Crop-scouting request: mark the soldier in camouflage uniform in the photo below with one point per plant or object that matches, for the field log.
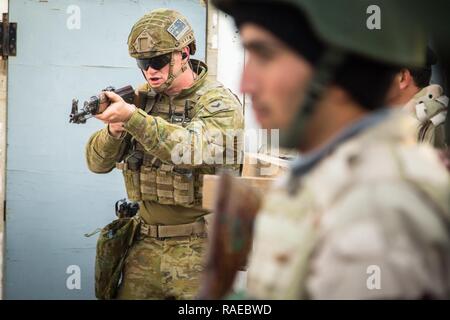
(163, 147)
(364, 213)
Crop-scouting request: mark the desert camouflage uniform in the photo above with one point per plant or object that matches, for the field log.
(367, 215)
(168, 194)
(371, 208)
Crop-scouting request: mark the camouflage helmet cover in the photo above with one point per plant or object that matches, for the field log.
(400, 41)
(159, 32)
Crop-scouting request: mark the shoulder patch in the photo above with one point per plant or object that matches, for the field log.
(216, 106)
(214, 98)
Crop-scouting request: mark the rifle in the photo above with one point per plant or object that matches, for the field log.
(91, 107)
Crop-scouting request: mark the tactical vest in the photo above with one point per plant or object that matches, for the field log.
(147, 178)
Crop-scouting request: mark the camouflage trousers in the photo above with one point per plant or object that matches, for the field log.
(167, 268)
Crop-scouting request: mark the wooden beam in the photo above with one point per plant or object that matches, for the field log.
(212, 17)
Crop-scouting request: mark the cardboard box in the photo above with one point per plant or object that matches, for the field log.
(210, 187)
(263, 165)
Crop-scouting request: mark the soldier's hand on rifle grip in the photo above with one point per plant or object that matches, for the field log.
(104, 102)
(117, 111)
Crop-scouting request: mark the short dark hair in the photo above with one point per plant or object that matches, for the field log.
(366, 80)
(422, 76)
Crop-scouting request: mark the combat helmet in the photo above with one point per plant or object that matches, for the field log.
(161, 32)
(342, 27)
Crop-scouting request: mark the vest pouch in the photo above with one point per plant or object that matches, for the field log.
(132, 184)
(148, 184)
(131, 175)
(112, 247)
(164, 184)
(183, 184)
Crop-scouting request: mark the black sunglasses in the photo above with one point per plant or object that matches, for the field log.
(157, 63)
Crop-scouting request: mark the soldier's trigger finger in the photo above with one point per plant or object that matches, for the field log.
(103, 102)
(110, 114)
(103, 106)
(107, 111)
(112, 96)
(104, 116)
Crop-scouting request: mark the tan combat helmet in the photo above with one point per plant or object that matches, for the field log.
(159, 32)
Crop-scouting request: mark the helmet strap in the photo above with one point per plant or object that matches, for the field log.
(172, 76)
(326, 69)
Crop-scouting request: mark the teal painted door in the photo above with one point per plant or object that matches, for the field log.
(65, 49)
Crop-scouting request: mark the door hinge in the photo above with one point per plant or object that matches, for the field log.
(8, 32)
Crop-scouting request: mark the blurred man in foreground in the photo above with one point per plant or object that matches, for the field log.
(364, 213)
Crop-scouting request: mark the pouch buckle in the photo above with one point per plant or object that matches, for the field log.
(177, 118)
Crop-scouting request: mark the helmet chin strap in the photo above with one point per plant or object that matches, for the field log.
(324, 74)
(172, 76)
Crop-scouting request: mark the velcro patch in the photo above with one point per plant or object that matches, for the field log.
(216, 106)
(144, 42)
(178, 28)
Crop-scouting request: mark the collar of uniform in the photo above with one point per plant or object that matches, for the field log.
(201, 69)
(307, 162)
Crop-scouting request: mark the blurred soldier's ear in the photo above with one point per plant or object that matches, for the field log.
(405, 79)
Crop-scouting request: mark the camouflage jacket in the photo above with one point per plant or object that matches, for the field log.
(212, 117)
(370, 220)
